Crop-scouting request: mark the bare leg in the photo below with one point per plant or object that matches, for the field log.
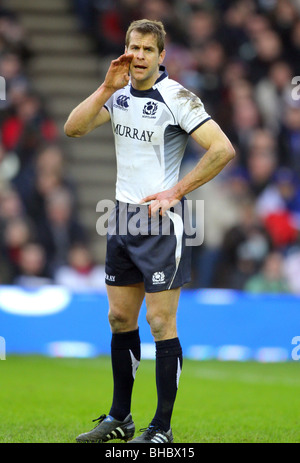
(161, 313)
(124, 306)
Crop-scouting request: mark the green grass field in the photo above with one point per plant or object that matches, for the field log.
(48, 400)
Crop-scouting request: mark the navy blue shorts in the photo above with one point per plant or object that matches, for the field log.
(146, 249)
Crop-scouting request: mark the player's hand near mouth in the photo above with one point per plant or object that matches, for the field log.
(117, 75)
(90, 113)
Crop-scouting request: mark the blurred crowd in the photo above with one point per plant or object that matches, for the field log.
(240, 57)
(41, 237)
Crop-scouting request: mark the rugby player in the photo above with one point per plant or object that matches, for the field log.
(152, 117)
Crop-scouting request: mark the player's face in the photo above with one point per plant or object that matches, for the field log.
(144, 68)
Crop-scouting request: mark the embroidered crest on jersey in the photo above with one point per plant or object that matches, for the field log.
(150, 109)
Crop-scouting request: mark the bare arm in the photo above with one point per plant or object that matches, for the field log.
(91, 113)
(219, 153)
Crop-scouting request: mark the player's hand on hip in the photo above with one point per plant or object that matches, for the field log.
(161, 201)
(117, 75)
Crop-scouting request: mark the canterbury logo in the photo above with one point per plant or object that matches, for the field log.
(122, 101)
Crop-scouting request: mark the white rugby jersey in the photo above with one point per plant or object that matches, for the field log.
(151, 129)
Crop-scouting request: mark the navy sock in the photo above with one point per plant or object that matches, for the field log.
(125, 358)
(168, 369)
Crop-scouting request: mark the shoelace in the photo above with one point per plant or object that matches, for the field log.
(152, 429)
(99, 419)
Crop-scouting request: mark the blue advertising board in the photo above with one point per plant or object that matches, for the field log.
(212, 324)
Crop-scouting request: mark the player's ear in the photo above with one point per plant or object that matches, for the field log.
(162, 57)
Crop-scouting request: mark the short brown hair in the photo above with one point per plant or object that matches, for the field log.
(145, 26)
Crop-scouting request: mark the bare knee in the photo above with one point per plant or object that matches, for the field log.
(121, 321)
(162, 327)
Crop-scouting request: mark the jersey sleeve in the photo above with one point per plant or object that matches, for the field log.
(190, 111)
(109, 106)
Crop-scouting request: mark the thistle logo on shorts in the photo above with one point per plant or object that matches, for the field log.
(158, 278)
(122, 101)
(150, 109)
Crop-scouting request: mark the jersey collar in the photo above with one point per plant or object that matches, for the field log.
(143, 93)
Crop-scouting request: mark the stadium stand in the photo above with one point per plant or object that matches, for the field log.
(240, 57)
(43, 51)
